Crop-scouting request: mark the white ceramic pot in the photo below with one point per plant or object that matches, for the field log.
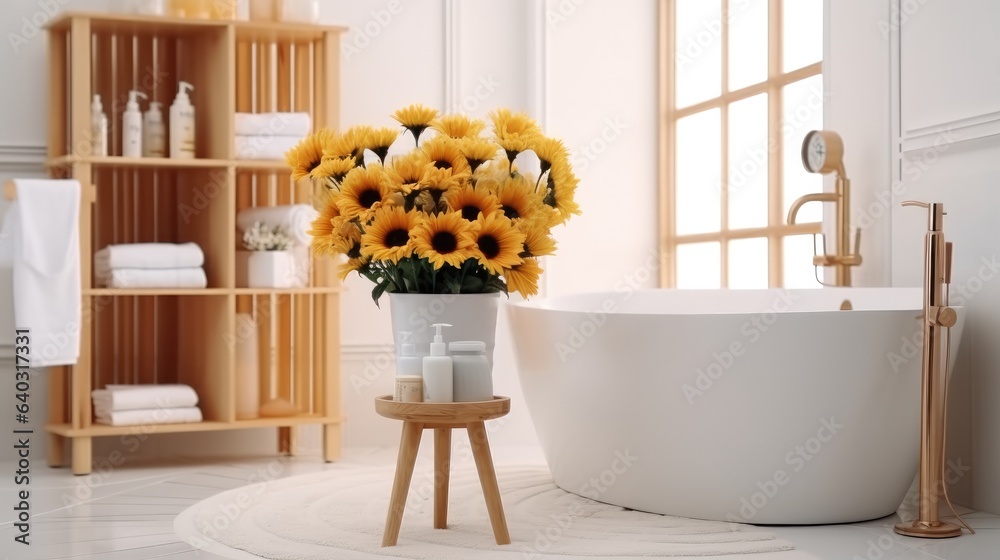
(271, 269)
(472, 316)
(300, 11)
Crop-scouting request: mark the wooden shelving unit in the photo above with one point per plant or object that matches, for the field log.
(175, 335)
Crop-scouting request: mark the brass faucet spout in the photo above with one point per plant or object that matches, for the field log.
(815, 197)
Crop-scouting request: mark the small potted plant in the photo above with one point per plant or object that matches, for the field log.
(271, 263)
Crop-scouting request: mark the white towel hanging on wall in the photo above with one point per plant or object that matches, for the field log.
(41, 241)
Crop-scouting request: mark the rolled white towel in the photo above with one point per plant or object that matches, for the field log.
(154, 278)
(114, 398)
(296, 219)
(151, 416)
(272, 124)
(264, 147)
(148, 255)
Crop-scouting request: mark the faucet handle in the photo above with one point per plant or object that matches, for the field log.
(915, 203)
(935, 213)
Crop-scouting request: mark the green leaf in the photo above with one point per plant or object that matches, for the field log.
(380, 289)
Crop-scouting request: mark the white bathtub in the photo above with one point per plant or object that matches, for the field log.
(763, 406)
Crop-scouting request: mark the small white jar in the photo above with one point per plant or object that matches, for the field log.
(473, 379)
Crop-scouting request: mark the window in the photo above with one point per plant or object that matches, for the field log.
(741, 84)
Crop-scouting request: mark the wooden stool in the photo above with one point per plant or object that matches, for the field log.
(442, 417)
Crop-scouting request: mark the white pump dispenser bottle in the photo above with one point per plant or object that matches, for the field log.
(182, 124)
(132, 126)
(98, 128)
(154, 133)
(438, 370)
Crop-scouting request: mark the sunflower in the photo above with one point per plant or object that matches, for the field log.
(472, 201)
(406, 172)
(415, 118)
(362, 192)
(549, 151)
(324, 238)
(440, 182)
(497, 243)
(515, 132)
(444, 153)
(517, 198)
(560, 189)
(537, 240)
(339, 146)
(355, 260)
(379, 140)
(334, 169)
(523, 278)
(458, 126)
(444, 238)
(390, 236)
(308, 153)
(477, 151)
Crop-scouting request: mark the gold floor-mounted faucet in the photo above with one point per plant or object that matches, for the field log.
(823, 152)
(936, 317)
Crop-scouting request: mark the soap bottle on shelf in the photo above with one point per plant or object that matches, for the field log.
(132, 126)
(438, 370)
(154, 134)
(98, 128)
(182, 124)
(473, 379)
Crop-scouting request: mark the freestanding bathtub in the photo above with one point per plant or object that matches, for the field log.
(759, 406)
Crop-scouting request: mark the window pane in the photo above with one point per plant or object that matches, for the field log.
(748, 263)
(748, 156)
(798, 269)
(698, 265)
(699, 172)
(747, 43)
(699, 50)
(802, 39)
(802, 111)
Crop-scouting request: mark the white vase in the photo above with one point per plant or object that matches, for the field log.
(472, 316)
(271, 269)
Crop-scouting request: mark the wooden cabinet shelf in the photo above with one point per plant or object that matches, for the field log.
(147, 336)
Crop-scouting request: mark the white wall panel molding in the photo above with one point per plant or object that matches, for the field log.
(960, 130)
(452, 55)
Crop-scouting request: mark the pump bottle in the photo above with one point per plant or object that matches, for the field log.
(182, 124)
(98, 128)
(154, 135)
(438, 370)
(132, 126)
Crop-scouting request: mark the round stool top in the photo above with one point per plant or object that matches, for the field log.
(442, 413)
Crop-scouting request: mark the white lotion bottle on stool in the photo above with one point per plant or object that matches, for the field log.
(438, 370)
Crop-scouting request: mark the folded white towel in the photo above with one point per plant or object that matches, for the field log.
(148, 255)
(264, 147)
(273, 124)
(41, 243)
(154, 278)
(115, 398)
(151, 416)
(296, 219)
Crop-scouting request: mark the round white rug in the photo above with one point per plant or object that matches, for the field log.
(340, 514)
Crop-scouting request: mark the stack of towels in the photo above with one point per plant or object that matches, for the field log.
(133, 405)
(150, 265)
(268, 136)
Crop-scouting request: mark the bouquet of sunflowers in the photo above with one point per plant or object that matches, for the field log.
(453, 215)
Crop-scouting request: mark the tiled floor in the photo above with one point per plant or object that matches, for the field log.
(128, 514)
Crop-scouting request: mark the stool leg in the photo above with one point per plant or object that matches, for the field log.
(408, 446)
(488, 480)
(442, 476)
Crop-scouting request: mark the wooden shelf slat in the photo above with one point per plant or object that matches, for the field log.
(168, 163)
(174, 26)
(126, 292)
(98, 430)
